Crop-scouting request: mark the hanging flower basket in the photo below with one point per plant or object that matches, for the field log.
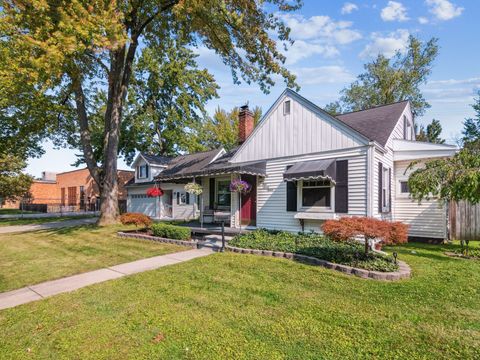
(154, 192)
(193, 188)
(240, 186)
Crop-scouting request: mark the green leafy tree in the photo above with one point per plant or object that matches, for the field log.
(455, 178)
(13, 182)
(471, 126)
(221, 130)
(164, 107)
(388, 80)
(69, 53)
(431, 133)
(333, 108)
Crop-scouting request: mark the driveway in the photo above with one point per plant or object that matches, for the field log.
(46, 226)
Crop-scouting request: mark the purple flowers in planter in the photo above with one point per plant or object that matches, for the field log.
(240, 186)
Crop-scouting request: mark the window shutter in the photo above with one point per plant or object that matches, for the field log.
(138, 172)
(390, 190)
(405, 136)
(178, 197)
(146, 171)
(187, 198)
(341, 187)
(380, 185)
(211, 193)
(291, 194)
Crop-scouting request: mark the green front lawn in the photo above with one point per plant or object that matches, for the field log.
(43, 220)
(33, 257)
(236, 306)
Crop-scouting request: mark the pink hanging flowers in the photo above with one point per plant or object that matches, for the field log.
(240, 186)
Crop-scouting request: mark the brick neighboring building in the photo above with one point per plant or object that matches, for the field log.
(77, 188)
(71, 191)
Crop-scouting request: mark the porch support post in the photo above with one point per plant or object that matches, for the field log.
(193, 195)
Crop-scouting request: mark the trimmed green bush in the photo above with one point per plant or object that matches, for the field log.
(171, 231)
(349, 253)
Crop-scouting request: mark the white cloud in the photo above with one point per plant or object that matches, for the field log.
(302, 49)
(320, 28)
(450, 90)
(473, 80)
(394, 11)
(444, 9)
(387, 45)
(423, 20)
(348, 8)
(317, 35)
(322, 75)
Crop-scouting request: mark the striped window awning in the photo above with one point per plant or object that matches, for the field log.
(312, 170)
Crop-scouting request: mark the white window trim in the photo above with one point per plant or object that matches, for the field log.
(326, 209)
(285, 107)
(140, 171)
(398, 188)
(217, 180)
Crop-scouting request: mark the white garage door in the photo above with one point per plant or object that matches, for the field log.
(143, 204)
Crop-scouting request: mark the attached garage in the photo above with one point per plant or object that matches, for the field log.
(141, 203)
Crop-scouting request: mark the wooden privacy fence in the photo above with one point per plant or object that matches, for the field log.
(464, 220)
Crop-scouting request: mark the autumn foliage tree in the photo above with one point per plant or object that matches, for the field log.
(57, 57)
(348, 228)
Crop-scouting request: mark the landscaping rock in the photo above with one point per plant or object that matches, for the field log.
(360, 272)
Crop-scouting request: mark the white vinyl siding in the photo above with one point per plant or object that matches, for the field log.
(426, 219)
(303, 131)
(271, 199)
(387, 160)
(179, 212)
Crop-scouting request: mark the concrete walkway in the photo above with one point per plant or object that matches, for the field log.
(46, 226)
(49, 288)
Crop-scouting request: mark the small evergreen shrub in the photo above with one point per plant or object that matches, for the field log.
(171, 231)
(136, 219)
(312, 244)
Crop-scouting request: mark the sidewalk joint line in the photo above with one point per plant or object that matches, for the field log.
(29, 288)
(109, 268)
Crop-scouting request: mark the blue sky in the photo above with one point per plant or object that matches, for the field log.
(333, 39)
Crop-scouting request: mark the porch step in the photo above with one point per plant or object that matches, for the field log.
(213, 241)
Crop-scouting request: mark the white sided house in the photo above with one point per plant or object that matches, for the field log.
(304, 166)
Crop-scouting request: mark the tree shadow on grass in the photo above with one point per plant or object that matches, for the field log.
(65, 230)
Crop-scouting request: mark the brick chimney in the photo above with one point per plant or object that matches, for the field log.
(245, 124)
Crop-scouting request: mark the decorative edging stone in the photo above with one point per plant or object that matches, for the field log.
(156, 238)
(403, 272)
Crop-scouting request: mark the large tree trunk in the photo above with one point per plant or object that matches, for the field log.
(109, 210)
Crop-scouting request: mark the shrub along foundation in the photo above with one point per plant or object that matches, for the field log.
(403, 272)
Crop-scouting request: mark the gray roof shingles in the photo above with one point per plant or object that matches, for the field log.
(187, 165)
(156, 160)
(376, 123)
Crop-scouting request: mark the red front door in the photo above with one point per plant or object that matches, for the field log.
(249, 202)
